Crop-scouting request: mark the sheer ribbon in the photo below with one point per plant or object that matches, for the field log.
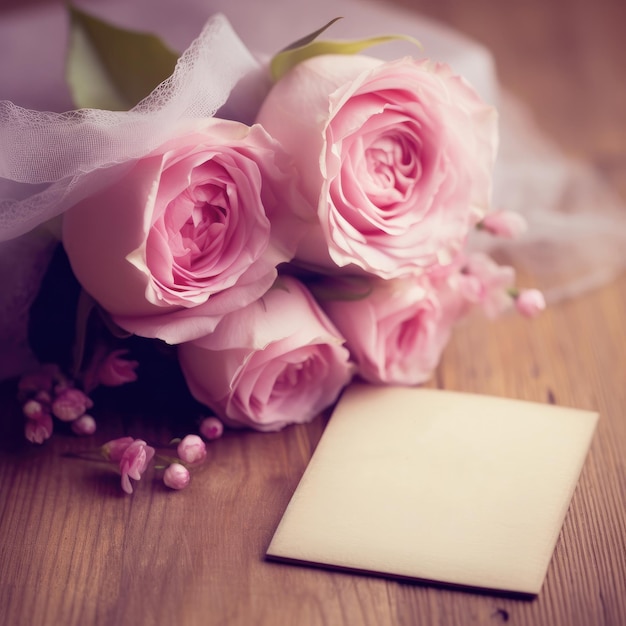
(576, 221)
(46, 158)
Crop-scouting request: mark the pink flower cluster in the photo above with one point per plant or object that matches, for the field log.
(48, 392)
(327, 240)
(133, 457)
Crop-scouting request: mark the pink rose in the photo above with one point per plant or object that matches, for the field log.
(276, 362)
(396, 159)
(396, 332)
(189, 233)
(114, 449)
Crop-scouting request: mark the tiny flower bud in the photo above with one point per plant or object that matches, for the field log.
(37, 431)
(530, 302)
(211, 428)
(192, 449)
(507, 224)
(70, 404)
(84, 425)
(176, 476)
(34, 410)
(115, 370)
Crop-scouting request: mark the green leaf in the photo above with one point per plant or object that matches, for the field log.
(113, 68)
(308, 47)
(307, 39)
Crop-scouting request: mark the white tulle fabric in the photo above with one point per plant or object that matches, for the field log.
(49, 161)
(46, 158)
(577, 222)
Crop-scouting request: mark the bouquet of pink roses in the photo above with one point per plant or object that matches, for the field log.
(324, 239)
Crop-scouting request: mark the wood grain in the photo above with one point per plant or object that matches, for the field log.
(75, 550)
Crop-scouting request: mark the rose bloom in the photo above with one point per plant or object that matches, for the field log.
(188, 233)
(70, 404)
(276, 362)
(397, 331)
(396, 158)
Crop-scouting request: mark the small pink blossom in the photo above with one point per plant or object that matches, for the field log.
(134, 462)
(34, 410)
(114, 449)
(530, 302)
(115, 370)
(508, 224)
(484, 282)
(192, 449)
(37, 431)
(211, 428)
(85, 425)
(70, 404)
(176, 476)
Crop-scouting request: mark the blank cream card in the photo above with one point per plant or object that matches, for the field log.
(440, 486)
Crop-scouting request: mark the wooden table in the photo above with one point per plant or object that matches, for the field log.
(75, 550)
